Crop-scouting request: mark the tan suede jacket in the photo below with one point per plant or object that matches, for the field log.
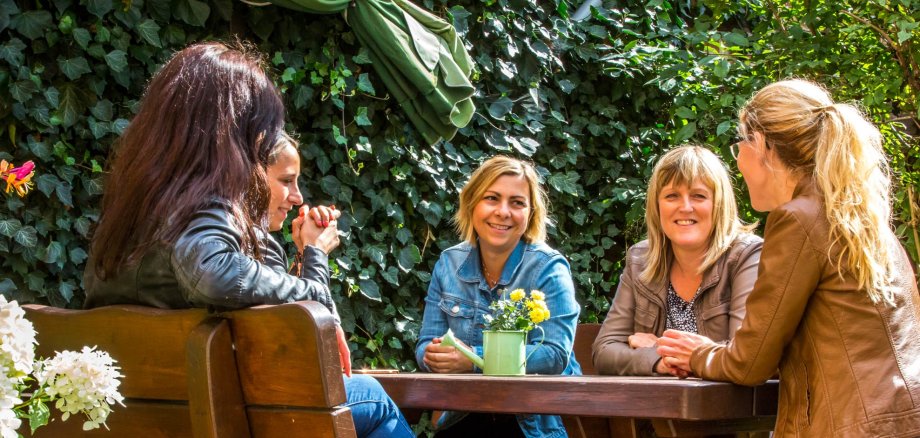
(848, 367)
(640, 307)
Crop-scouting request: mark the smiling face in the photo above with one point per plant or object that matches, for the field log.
(686, 215)
(501, 215)
(282, 178)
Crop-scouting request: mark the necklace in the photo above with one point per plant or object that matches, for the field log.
(488, 276)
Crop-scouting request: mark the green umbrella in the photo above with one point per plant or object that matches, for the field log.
(417, 55)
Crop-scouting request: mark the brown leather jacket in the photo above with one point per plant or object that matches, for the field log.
(848, 367)
(640, 307)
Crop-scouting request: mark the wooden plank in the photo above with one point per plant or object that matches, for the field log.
(287, 356)
(604, 396)
(215, 397)
(678, 428)
(149, 344)
(136, 419)
(585, 334)
(301, 423)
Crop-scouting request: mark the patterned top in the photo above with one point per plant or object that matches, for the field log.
(680, 312)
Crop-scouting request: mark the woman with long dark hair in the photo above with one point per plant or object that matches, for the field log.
(194, 189)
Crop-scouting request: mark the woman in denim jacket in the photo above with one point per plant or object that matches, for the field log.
(502, 219)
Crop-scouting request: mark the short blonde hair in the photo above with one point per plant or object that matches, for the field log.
(836, 145)
(483, 178)
(683, 166)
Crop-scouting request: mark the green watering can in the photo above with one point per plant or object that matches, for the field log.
(504, 351)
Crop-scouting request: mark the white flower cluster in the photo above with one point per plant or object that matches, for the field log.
(84, 382)
(17, 354)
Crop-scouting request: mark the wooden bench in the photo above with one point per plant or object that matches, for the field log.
(180, 378)
(267, 371)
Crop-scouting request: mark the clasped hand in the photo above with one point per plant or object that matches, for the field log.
(321, 232)
(444, 359)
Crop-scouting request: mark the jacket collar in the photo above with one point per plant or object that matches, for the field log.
(805, 186)
(658, 291)
(471, 272)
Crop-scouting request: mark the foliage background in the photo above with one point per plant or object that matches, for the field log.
(593, 102)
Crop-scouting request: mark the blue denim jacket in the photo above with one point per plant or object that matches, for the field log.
(458, 297)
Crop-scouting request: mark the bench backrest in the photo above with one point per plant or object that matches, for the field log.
(179, 376)
(585, 334)
(290, 372)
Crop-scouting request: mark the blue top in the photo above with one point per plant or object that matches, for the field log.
(459, 296)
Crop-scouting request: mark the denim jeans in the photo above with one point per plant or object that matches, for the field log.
(374, 413)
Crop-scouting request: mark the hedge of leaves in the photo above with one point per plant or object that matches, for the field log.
(593, 102)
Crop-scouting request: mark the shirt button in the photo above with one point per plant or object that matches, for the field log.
(455, 309)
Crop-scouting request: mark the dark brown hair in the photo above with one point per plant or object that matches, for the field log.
(204, 131)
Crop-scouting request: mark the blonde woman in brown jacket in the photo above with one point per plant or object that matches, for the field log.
(835, 307)
(694, 271)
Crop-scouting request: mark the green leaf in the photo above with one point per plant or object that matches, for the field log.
(369, 289)
(565, 183)
(149, 31)
(102, 110)
(82, 37)
(117, 60)
(7, 286)
(361, 117)
(23, 90)
(723, 127)
(66, 290)
(26, 237)
(32, 24)
(74, 68)
(78, 255)
(54, 252)
(409, 256)
(500, 108)
(685, 132)
(685, 113)
(566, 86)
(193, 12)
(98, 7)
(71, 106)
(11, 52)
(9, 227)
(39, 414)
(365, 85)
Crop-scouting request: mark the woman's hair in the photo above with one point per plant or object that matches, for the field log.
(683, 166)
(834, 143)
(282, 141)
(483, 178)
(199, 135)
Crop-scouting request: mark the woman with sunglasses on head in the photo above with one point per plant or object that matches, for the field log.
(835, 306)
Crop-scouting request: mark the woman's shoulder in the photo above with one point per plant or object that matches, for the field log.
(542, 248)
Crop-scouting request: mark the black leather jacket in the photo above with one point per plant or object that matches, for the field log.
(206, 268)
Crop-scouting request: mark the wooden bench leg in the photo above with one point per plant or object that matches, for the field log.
(215, 396)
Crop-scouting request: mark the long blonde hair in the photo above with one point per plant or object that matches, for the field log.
(482, 179)
(683, 166)
(835, 143)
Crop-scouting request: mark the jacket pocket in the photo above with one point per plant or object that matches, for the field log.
(807, 401)
(645, 320)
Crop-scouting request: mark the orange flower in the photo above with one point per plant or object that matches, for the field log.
(17, 178)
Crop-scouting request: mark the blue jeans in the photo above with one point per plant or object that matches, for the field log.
(374, 413)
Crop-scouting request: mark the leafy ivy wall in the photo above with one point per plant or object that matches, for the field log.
(592, 102)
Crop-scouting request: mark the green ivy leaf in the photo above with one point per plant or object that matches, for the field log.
(82, 37)
(71, 106)
(9, 227)
(369, 289)
(685, 132)
(32, 24)
(11, 52)
(361, 117)
(102, 110)
(78, 255)
(723, 127)
(74, 68)
(565, 183)
(500, 108)
(117, 60)
(7, 286)
(98, 7)
(193, 12)
(149, 31)
(54, 252)
(26, 237)
(409, 256)
(365, 85)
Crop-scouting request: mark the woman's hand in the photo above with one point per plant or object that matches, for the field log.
(642, 340)
(443, 359)
(344, 352)
(316, 226)
(675, 348)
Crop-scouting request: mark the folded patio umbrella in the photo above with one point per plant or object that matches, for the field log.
(416, 54)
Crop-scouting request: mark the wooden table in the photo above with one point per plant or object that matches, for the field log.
(690, 406)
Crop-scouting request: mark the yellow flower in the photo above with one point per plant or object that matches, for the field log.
(536, 315)
(517, 295)
(537, 295)
(539, 304)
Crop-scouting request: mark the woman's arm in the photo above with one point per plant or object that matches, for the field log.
(213, 270)
(611, 351)
(789, 273)
(552, 357)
